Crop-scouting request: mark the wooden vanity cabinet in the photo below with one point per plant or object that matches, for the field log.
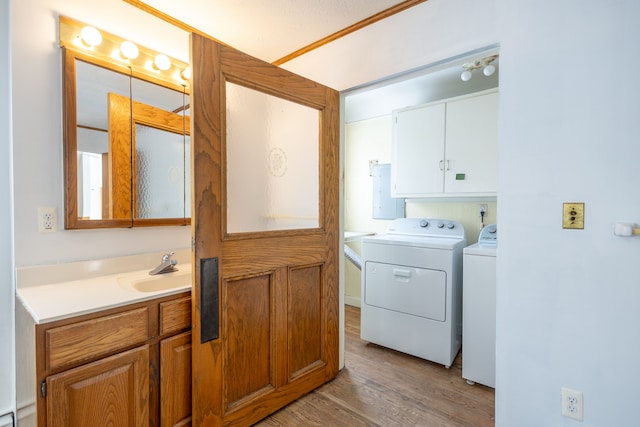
(175, 380)
(175, 363)
(114, 389)
(129, 365)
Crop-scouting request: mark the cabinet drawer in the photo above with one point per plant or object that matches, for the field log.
(175, 315)
(95, 337)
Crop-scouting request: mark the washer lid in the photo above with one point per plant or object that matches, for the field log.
(483, 249)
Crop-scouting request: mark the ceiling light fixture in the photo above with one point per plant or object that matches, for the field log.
(485, 63)
(90, 36)
(489, 70)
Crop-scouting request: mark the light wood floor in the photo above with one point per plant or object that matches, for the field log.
(382, 387)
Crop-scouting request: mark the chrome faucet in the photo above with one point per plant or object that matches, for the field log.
(166, 266)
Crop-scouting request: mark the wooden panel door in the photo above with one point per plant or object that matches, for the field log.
(265, 296)
(112, 391)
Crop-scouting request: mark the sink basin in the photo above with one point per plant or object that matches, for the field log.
(143, 282)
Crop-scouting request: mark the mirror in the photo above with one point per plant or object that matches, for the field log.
(126, 145)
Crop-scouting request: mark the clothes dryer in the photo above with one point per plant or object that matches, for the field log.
(411, 288)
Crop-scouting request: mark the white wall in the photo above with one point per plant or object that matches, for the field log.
(7, 277)
(568, 301)
(37, 128)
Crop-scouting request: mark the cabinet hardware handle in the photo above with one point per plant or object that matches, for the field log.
(441, 164)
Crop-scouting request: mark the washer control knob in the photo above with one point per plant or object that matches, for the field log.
(441, 225)
(450, 225)
(424, 223)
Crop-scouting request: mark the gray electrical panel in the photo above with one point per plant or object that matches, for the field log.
(385, 206)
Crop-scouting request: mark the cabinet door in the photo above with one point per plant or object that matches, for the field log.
(175, 381)
(418, 151)
(472, 145)
(112, 391)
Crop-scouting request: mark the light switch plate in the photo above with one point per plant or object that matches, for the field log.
(573, 215)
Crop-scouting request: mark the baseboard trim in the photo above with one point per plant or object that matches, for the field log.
(353, 301)
(26, 415)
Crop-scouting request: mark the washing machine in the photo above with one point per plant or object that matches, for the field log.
(412, 288)
(479, 309)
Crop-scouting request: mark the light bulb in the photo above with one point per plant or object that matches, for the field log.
(186, 73)
(162, 62)
(91, 36)
(489, 70)
(129, 50)
(465, 76)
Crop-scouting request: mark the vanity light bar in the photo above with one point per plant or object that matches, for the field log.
(123, 55)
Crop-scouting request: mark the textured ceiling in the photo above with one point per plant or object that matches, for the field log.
(270, 29)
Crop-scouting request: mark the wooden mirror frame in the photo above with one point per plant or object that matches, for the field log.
(70, 143)
(122, 142)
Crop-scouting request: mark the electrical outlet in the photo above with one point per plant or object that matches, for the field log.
(572, 403)
(47, 220)
(482, 210)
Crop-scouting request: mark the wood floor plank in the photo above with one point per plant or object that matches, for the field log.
(386, 388)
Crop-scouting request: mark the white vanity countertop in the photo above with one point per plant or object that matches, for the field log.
(71, 291)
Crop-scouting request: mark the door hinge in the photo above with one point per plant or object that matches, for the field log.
(193, 243)
(43, 388)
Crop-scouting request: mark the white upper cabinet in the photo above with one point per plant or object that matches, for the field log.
(472, 145)
(418, 150)
(448, 148)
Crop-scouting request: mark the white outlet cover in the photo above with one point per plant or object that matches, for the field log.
(572, 404)
(47, 219)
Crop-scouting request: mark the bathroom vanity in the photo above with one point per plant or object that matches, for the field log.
(111, 347)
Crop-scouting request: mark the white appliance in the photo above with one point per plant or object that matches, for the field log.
(411, 288)
(479, 309)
